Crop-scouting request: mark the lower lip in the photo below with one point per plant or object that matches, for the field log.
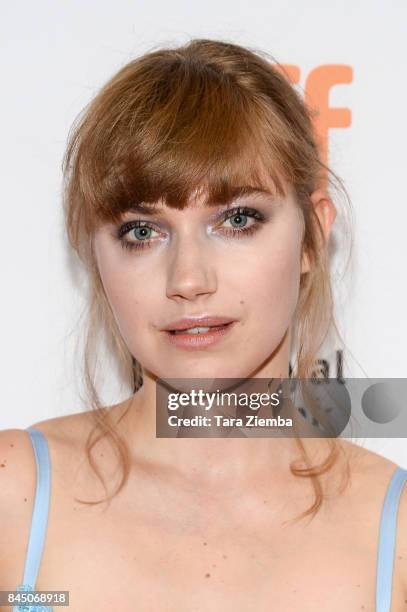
(198, 341)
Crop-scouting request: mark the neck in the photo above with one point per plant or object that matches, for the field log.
(215, 461)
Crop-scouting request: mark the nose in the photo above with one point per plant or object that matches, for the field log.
(190, 271)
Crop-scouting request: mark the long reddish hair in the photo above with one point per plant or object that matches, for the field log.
(208, 115)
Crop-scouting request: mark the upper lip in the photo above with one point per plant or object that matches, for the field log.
(198, 321)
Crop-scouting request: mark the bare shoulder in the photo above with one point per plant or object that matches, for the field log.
(401, 541)
(367, 467)
(66, 429)
(17, 459)
(371, 474)
(17, 471)
(66, 437)
(72, 474)
(71, 430)
(17, 487)
(18, 477)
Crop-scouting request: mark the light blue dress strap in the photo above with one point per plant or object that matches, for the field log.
(387, 540)
(39, 520)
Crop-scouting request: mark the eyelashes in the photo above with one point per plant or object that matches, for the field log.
(141, 230)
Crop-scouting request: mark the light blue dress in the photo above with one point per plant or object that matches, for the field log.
(385, 556)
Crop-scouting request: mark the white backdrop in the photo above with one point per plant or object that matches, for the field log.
(55, 57)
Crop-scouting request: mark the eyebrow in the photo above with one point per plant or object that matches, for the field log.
(236, 192)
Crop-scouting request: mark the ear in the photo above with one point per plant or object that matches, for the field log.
(325, 210)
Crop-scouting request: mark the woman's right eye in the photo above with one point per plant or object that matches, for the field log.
(139, 230)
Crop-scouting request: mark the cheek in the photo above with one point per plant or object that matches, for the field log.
(283, 273)
(125, 288)
(270, 282)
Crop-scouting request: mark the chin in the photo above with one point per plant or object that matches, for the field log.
(207, 371)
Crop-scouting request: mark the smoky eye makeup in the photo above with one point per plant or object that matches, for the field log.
(234, 222)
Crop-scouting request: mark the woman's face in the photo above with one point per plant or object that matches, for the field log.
(199, 261)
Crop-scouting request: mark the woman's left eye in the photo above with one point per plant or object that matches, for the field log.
(238, 217)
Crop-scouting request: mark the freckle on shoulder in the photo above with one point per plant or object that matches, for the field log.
(17, 469)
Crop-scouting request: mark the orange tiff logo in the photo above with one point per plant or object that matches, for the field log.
(318, 85)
